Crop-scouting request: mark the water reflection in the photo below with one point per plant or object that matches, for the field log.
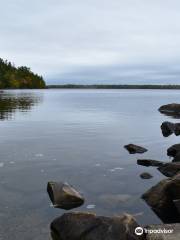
(175, 115)
(12, 102)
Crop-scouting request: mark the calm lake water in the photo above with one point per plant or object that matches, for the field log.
(77, 136)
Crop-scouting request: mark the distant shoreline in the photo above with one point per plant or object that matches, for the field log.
(102, 86)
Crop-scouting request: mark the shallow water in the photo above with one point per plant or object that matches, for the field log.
(77, 136)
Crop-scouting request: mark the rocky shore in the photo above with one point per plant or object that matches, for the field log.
(163, 199)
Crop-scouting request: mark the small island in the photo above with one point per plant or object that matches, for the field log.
(12, 77)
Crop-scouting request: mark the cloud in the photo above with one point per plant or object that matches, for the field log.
(92, 39)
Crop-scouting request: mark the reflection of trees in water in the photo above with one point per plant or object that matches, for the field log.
(22, 102)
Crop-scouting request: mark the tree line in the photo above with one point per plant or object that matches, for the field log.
(115, 86)
(18, 77)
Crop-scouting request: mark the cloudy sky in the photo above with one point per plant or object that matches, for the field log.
(94, 41)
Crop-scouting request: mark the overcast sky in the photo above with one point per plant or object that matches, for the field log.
(94, 41)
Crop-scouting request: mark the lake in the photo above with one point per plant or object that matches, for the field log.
(77, 136)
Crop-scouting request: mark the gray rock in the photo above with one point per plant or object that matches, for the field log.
(146, 175)
(161, 199)
(86, 226)
(64, 196)
(149, 163)
(167, 128)
(170, 169)
(173, 150)
(132, 149)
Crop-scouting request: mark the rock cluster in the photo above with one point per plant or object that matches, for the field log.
(163, 198)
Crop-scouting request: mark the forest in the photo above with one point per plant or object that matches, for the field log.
(12, 77)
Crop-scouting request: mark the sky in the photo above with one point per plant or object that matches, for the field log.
(94, 41)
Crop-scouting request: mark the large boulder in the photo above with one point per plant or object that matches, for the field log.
(170, 169)
(64, 196)
(149, 163)
(132, 149)
(167, 128)
(87, 226)
(173, 150)
(161, 199)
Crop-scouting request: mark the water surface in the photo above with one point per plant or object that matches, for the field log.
(77, 136)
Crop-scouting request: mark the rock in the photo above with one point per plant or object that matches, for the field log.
(177, 204)
(149, 163)
(173, 150)
(163, 232)
(170, 169)
(177, 129)
(176, 158)
(64, 196)
(167, 128)
(86, 226)
(132, 149)
(146, 175)
(172, 109)
(161, 199)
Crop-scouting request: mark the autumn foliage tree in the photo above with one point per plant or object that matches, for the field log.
(21, 77)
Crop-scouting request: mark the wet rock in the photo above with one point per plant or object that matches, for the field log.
(167, 128)
(173, 150)
(161, 199)
(86, 226)
(172, 109)
(64, 196)
(149, 163)
(170, 169)
(132, 149)
(172, 232)
(146, 175)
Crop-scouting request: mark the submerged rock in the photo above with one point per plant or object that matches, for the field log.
(167, 128)
(86, 226)
(132, 149)
(161, 199)
(173, 150)
(64, 196)
(114, 200)
(170, 169)
(146, 175)
(149, 163)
